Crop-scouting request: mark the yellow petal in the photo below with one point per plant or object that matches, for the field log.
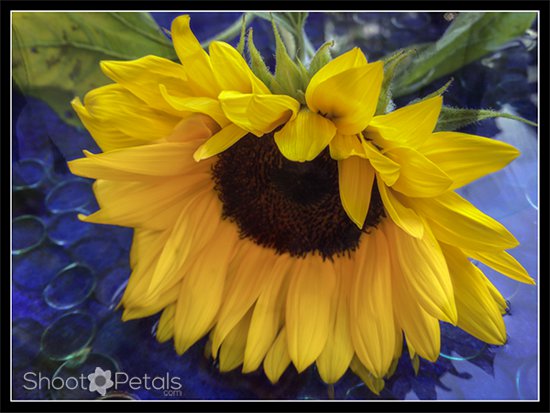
(349, 60)
(154, 205)
(143, 76)
(349, 98)
(344, 146)
(231, 70)
(196, 127)
(404, 217)
(372, 325)
(334, 360)
(185, 42)
(202, 289)
(457, 222)
(465, 158)
(411, 125)
(232, 348)
(478, 313)
(159, 303)
(143, 243)
(304, 137)
(194, 59)
(495, 293)
(277, 358)
(107, 138)
(218, 143)
(137, 163)
(387, 169)
(146, 247)
(268, 315)
(418, 176)
(194, 228)
(355, 179)
(424, 271)
(308, 309)
(502, 262)
(207, 106)
(165, 329)
(421, 329)
(113, 107)
(258, 114)
(251, 268)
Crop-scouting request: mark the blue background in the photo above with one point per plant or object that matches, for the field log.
(68, 276)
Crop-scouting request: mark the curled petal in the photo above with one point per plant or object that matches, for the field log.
(344, 146)
(258, 114)
(218, 143)
(194, 59)
(418, 176)
(403, 216)
(143, 76)
(231, 70)
(410, 125)
(349, 98)
(304, 137)
(349, 60)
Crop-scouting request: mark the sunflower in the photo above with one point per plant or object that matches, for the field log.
(293, 227)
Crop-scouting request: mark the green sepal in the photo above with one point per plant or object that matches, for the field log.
(291, 26)
(240, 45)
(393, 368)
(289, 78)
(322, 57)
(390, 66)
(451, 119)
(415, 361)
(257, 64)
(438, 92)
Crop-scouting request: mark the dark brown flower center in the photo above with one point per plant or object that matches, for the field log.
(289, 206)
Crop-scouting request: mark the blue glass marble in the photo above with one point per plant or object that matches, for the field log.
(111, 285)
(97, 252)
(69, 195)
(26, 333)
(75, 377)
(68, 336)
(34, 269)
(65, 228)
(71, 286)
(28, 173)
(28, 232)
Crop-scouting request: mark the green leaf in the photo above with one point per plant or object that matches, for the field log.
(452, 119)
(471, 36)
(56, 55)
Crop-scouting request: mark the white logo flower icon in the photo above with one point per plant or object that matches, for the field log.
(100, 380)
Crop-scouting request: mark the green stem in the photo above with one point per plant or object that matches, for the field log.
(230, 33)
